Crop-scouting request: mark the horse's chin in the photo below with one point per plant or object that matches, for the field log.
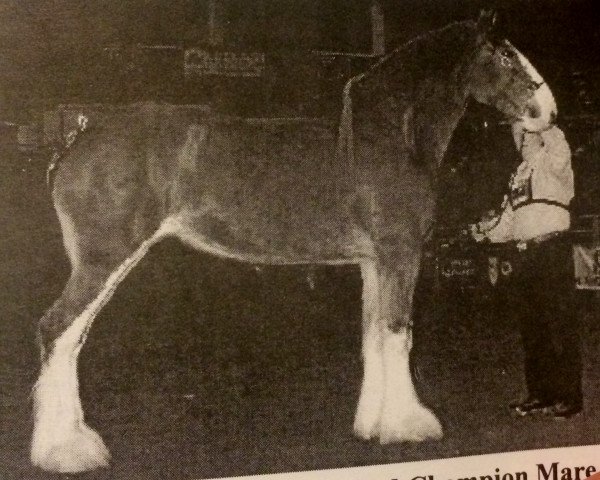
(541, 110)
(538, 124)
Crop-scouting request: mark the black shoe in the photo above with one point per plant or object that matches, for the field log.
(530, 406)
(563, 410)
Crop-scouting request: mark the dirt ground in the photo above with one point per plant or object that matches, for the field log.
(200, 367)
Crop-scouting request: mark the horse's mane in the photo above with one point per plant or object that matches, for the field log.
(410, 72)
(428, 57)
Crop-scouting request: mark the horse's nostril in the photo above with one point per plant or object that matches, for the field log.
(552, 118)
(535, 85)
(533, 110)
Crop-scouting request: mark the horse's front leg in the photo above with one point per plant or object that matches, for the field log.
(389, 406)
(368, 412)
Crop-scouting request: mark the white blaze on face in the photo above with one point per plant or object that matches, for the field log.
(541, 109)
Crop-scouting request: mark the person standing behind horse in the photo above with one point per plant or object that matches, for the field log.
(535, 214)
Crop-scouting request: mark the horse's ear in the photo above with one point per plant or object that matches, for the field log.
(487, 20)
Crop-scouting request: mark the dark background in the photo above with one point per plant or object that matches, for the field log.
(54, 50)
(201, 367)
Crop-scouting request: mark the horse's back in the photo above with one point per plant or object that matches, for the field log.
(274, 186)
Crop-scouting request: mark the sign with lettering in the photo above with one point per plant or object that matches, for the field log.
(587, 267)
(568, 463)
(199, 62)
(458, 267)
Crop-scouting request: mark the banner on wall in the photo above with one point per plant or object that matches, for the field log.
(199, 62)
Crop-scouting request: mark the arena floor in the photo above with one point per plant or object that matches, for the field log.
(204, 368)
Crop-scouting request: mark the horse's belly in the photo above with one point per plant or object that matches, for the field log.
(260, 239)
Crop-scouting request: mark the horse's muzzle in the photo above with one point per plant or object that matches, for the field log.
(541, 111)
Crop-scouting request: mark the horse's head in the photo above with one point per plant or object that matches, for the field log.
(501, 76)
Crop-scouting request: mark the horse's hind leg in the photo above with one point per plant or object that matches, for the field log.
(389, 406)
(62, 442)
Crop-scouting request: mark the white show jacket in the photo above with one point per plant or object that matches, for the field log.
(541, 190)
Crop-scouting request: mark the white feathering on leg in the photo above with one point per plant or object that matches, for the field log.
(403, 418)
(61, 441)
(368, 412)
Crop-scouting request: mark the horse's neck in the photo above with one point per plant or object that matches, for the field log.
(435, 128)
(422, 129)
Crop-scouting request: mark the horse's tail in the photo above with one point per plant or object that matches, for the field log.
(60, 152)
(346, 130)
(52, 168)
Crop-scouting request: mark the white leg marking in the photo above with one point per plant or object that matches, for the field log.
(69, 237)
(62, 442)
(403, 417)
(368, 412)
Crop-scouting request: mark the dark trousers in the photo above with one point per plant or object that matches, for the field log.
(550, 326)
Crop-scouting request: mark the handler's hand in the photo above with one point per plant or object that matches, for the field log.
(475, 232)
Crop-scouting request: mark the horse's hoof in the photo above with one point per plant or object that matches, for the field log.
(366, 431)
(368, 417)
(80, 451)
(419, 426)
